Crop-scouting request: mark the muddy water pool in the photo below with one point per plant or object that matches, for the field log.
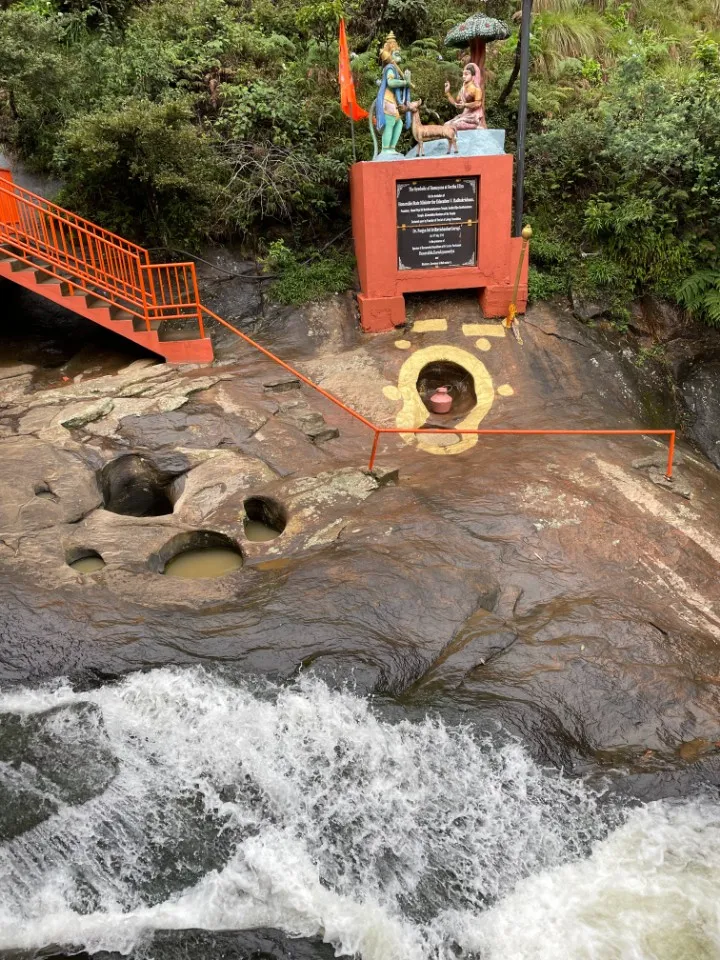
(204, 563)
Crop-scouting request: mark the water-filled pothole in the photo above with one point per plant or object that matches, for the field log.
(133, 486)
(458, 380)
(265, 519)
(199, 555)
(84, 561)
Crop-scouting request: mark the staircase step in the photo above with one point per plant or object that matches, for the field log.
(169, 334)
(43, 277)
(96, 302)
(139, 326)
(17, 266)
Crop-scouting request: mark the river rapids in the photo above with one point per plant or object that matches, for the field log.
(236, 804)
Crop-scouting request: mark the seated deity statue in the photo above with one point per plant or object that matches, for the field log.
(470, 99)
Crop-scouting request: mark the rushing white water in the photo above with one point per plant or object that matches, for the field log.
(238, 806)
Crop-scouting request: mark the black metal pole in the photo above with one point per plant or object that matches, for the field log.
(522, 115)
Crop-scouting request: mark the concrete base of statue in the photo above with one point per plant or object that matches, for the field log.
(471, 143)
(413, 236)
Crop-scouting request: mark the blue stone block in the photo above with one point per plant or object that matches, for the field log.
(471, 143)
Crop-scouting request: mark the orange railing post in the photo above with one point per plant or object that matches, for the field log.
(8, 207)
(671, 455)
(373, 454)
(142, 274)
(201, 326)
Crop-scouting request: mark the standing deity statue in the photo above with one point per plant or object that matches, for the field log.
(470, 99)
(392, 99)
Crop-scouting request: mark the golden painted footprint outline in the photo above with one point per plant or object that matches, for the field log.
(414, 413)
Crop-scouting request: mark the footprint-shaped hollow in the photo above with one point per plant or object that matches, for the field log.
(478, 393)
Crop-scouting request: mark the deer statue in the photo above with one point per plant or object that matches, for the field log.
(436, 131)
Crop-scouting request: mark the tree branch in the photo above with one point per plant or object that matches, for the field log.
(513, 76)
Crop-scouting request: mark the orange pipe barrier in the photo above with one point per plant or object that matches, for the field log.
(541, 433)
(435, 430)
(292, 370)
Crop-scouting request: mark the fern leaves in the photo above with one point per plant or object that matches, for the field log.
(700, 293)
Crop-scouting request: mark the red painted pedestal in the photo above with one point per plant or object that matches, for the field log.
(374, 192)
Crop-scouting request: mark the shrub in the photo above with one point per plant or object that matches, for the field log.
(143, 171)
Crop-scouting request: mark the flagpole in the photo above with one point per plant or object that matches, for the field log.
(348, 101)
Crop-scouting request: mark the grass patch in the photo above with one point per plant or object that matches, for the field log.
(312, 278)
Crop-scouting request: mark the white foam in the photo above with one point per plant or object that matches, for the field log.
(651, 891)
(386, 840)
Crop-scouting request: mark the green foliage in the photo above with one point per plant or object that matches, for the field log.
(302, 281)
(700, 293)
(543, 285)
(655, 353)
(41, 83)
(637, 175)
(143, 170)
(411, 18)
(175, 120)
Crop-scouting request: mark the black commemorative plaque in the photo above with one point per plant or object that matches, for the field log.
(437, 223)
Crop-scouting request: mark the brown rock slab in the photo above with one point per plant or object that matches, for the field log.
(281, 384)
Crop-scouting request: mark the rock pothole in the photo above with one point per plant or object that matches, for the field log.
(133, 486)
(84, 560)
(198, 555)
(265, 518)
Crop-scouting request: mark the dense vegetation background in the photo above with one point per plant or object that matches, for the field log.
(175, 121)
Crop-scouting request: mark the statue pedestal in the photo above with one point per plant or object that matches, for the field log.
(434, 223)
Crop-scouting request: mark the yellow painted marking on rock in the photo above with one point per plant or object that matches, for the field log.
(429, 326)
(483, 344)
(403, 344)
(483, 330)
(414, 413)
(506, 390)
(392, 392)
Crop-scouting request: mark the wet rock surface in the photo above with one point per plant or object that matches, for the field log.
(542, 583)
(241, 945)
(701, 394)
(261, 944)
(50, 760)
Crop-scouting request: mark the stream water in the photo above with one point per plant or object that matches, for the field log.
(238, 804)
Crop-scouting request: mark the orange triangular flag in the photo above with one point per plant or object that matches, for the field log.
(348, 100)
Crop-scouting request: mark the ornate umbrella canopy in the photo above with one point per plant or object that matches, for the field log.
(476, 32)
(477, 27)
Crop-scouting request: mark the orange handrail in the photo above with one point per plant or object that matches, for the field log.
(96, 261)
(379, 431)
(27, 195)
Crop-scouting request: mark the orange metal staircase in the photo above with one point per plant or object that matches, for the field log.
(101, 276)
